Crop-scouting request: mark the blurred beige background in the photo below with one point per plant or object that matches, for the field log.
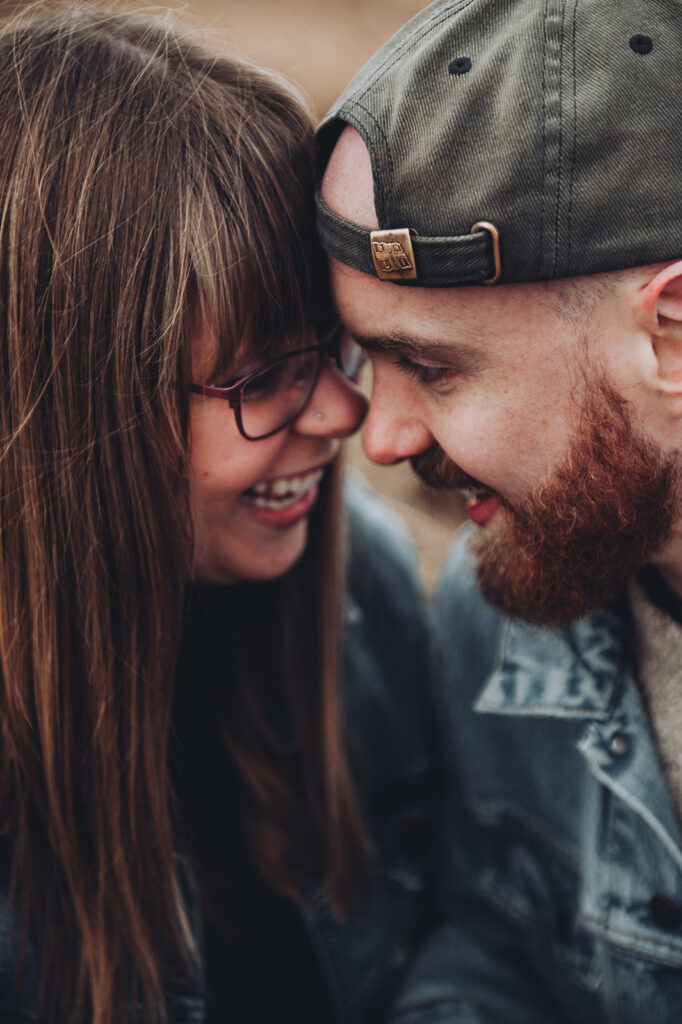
(319, 44)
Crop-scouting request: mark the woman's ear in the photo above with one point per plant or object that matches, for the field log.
(659, 313)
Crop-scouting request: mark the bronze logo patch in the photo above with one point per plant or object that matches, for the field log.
(393, 255)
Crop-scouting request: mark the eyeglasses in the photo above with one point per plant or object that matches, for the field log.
(271, 397)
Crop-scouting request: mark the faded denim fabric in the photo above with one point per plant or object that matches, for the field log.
(390, 731)
(562, 861)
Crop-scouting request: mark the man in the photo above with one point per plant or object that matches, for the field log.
(500, 202)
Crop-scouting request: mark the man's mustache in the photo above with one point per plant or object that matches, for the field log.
(438, 470)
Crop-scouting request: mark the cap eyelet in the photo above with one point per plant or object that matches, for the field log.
(641, 44)
(459, 66)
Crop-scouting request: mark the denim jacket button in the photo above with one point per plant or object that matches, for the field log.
(665, 911)
(619, 744)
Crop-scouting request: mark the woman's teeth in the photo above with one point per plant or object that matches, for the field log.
(283, 491)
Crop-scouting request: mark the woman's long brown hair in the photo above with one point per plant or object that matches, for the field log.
(144, 183)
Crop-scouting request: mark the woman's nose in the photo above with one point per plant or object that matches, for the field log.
(336, 407)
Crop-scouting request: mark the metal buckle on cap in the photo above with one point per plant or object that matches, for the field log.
(485, 225)
(393, 255)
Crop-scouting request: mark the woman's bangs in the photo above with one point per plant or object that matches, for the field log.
(263, 300)
(267, 284)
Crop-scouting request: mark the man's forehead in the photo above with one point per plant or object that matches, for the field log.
(369, 307)
(465, 327)
(347, 184)
(413, 322)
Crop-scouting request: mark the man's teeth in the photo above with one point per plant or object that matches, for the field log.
(476, 493)
(282, 491)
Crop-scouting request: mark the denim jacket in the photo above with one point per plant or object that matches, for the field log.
(390, 729)
(562, 877)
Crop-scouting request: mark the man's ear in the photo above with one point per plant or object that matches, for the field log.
(659, 313)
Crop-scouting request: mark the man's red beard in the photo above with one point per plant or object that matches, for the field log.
(573, 543)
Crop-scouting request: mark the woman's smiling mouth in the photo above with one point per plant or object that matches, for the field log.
(282, 492)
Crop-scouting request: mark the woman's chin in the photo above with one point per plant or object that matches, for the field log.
(255, 563)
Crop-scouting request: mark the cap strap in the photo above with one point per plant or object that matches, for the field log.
(461, 259)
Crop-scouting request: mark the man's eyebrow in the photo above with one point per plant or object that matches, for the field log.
(453, 353)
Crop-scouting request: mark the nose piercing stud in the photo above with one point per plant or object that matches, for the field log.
(318, 415)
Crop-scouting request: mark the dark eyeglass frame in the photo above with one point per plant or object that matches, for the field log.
(233, 392)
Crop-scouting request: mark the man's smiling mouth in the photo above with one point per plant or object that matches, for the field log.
(481, 504)
(477, 493)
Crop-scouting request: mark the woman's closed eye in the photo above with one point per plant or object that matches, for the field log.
(264, 384)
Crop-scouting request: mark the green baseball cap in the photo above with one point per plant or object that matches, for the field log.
(517, 140)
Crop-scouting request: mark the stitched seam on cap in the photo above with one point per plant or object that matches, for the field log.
(560, 161)
(386, 195)
(544, 140)
(569, 219)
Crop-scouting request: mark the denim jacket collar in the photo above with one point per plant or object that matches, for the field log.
(581, 672)
(565, 673)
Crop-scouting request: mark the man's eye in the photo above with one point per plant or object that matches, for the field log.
(425, 374)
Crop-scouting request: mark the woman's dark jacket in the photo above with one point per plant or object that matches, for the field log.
(353, 965)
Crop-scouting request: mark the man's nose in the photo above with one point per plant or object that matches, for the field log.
(336, 407)
(394, 429)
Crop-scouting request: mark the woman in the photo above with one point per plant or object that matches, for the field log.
(173, 773)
